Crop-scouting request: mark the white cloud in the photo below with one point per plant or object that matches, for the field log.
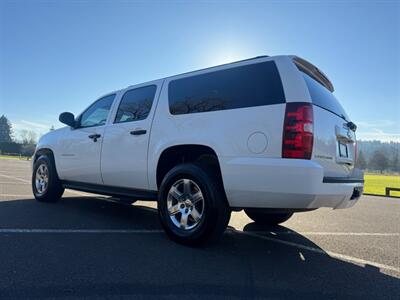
(376, 124)
(36, 124)
(39, 128)
(382, 130)
(381, 136)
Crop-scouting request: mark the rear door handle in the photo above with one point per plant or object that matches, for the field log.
(94, 137)
(138, 131)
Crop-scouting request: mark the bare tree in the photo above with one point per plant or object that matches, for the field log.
(361, 162)
(379, 161)
(28, 137)
(395, 163)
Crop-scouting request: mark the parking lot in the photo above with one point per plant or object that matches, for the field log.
(85, 247)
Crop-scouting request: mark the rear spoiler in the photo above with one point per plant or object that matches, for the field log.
(313, 71)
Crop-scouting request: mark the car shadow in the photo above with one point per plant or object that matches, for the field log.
(143, 262)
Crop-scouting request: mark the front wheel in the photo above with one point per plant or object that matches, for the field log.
(46, 185)
(192, 206)
(266, 218)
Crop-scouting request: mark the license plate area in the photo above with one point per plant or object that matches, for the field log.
(343, 150)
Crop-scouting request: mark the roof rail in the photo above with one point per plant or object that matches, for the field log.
(226, 64)
(234, 62)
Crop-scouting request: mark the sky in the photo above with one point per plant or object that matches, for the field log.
(60, 56)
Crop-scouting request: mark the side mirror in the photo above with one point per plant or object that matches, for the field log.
(68, 119)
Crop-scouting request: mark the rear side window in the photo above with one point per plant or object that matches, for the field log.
(323, 98)
(246, 86)
(136, 104)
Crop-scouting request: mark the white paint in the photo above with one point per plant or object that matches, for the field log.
(123, 155)
(253, 171)
(77, 156)
(14, 195)
(15, 178)
(257, 142)
(326, 141)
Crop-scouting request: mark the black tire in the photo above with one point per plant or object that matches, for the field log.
(266, 218)
(215, 214)
(54, 189)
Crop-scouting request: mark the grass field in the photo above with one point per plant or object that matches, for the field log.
(376, 184)
(13, 157)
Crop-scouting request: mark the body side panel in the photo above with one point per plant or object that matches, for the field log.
(230, 132)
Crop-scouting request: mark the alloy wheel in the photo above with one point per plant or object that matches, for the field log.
(185, 203)
(42, 179)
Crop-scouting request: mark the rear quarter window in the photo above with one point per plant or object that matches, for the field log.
(322, 97)
(245, 86)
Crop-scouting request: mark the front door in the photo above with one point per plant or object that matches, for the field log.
(80, 147)
(126, 138)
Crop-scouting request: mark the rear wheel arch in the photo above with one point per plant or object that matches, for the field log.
(184, 153)
(214, 212)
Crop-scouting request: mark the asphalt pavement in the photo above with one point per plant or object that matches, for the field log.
(86, 246)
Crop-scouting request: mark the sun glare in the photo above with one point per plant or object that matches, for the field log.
(227, 55)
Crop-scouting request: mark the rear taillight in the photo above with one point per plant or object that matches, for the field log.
(298, 131)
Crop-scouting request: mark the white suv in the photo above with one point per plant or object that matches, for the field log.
(265, 135)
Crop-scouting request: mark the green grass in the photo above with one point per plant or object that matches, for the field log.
(13, 157)
(376, 184)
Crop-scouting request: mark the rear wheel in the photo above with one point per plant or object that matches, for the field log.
(266, 218)
(192, 206)
(46, 185)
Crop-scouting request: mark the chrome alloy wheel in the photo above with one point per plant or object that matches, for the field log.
(185, 204)
(42, 179)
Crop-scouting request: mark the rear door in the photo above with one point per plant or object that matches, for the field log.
(334, 138)
(126, 138)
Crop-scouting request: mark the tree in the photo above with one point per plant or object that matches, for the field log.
(28, 137)
(379, 161)
(27, 150)
(361, 162)
(5, 130)
(395, 163)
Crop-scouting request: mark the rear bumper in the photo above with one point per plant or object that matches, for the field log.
(286, 183)
(342, 180)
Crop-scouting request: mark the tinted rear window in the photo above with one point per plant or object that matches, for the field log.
(246, 86)
(323, 98)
